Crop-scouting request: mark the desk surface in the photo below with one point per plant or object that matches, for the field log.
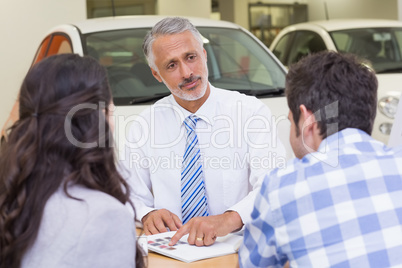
(157, 260)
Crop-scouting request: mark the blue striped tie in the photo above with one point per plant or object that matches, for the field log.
(193, 199)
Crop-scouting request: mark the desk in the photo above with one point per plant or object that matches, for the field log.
(157, 260)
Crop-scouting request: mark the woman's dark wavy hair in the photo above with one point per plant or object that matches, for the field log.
(39, 156)
(339, 88)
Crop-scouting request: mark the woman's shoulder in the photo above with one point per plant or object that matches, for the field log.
(84, 209)
(89, 201)
(87, 228)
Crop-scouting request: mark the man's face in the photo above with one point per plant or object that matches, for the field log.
(296, 138)
(182, 65)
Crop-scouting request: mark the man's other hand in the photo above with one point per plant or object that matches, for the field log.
(157, 221)
(203, 231)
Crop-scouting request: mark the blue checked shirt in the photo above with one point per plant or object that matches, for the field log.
(338, 207)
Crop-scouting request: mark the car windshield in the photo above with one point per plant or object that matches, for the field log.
(382, 46)
(235, 62)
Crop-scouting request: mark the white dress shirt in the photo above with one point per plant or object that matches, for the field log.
(237, 147)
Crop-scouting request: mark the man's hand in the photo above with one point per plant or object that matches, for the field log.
(156, 221)
(203, 231)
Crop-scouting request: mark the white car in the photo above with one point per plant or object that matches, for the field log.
(236, 61)
(379, 41)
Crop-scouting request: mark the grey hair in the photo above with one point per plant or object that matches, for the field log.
(167, 26)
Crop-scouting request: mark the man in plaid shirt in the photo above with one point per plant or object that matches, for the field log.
(340, 203)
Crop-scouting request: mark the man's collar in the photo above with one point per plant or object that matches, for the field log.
(333, 143)
(345, 136)
(206, 112)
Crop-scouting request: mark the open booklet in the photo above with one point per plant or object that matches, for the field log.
(188, 253)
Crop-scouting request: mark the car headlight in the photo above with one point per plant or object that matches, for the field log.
(388, 106)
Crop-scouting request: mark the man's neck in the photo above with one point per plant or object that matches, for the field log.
(193, 106)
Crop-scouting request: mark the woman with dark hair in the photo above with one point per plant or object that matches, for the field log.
(62, 200)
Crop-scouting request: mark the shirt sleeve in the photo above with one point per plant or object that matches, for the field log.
(136, 174)
(266, 152)
(108, 240)
(259, 248)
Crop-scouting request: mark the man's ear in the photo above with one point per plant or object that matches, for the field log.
(307, 120)
(309, 128)
(156, 75)
(205, 54)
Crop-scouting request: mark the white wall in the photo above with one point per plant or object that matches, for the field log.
(241, 13)
(193, 8)
(23, 23)
(399, 3)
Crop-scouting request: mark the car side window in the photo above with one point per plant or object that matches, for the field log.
(60, 44)
(52, 45)
(281, 47)
(342, 41)
(304, 43)
(41, 53)
(398, 52)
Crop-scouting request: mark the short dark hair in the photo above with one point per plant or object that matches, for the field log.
(339, 88)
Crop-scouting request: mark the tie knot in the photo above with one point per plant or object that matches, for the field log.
(190, 122)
